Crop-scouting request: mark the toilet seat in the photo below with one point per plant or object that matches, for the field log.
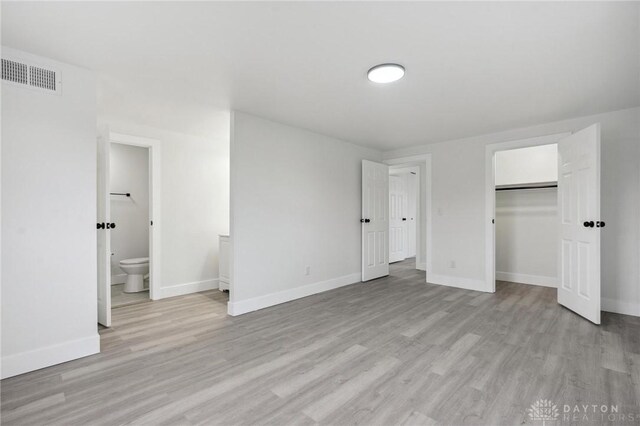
(134, 261)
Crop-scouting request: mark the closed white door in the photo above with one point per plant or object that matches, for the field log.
(104, 240)
(580, 222)
(397, 219)
(375, 220)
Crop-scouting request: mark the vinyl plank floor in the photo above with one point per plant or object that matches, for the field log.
(391, 351)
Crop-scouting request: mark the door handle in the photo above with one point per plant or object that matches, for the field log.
(588, 224)
(600, 224)
(365, 220)
(100, 225)
(111, 225)
(404, 218)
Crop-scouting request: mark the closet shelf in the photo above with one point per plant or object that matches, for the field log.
(520, 186)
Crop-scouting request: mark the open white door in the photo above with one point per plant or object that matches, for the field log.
(375, 220)
(397, 219)
(579, 215)
(104, 242)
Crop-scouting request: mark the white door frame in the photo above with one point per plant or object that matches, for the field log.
(490, 197)
(155, 231)
(422, 234)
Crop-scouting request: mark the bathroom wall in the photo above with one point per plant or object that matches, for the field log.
(129, 172)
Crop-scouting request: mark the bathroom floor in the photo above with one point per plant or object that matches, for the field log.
(120, 298)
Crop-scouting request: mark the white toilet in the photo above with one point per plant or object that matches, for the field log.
(136, 269)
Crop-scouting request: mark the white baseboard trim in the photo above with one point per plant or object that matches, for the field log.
(540, 280)
(12, 365)
(118, 279)
(458, 282)
(187, 288)
(421, 266)
(249, 305)
(620, 307)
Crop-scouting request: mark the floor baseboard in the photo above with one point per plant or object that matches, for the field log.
(527, 279)
(249, 305)
(187, 288)
(458, 282)
(118, 279)
(620, 307)
(13, 365)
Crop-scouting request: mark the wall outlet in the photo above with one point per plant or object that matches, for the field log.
(307, 270)
(452, 265)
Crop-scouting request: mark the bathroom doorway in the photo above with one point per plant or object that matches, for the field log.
(128, 216)
(129, 227)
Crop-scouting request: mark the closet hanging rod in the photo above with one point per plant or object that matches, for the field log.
(519, 187)
(126, 194)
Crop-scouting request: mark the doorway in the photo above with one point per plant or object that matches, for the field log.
(577, 224)
(404, 199)
(420, 230)
(128, 221)
(526, 200)
(375, 214)
(129, 228)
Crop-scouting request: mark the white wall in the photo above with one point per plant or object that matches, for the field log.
(296, 202)
(195, 204)
(129, 172)
(527, 165)
(458, 212)
(49, 273)
(527, 236)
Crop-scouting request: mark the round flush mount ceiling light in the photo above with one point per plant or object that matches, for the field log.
(386, 73)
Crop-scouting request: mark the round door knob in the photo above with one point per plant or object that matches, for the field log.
(600, 224)
(111, 225)
(367, 220)
(588, 224)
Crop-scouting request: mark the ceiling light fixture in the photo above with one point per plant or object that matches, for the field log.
(385, 73)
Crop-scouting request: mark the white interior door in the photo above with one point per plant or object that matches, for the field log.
(397, 219)
(411, 213)
(580, 224)
(375, 220)
(104, 240)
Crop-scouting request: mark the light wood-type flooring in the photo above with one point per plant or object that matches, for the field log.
(120, 298)
(391, 351)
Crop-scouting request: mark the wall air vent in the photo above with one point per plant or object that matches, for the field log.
(32, 76)
(14, 71)
(42, 78)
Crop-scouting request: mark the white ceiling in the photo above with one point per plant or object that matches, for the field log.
(472, 68)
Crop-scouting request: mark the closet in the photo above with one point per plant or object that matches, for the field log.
(526, 215)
